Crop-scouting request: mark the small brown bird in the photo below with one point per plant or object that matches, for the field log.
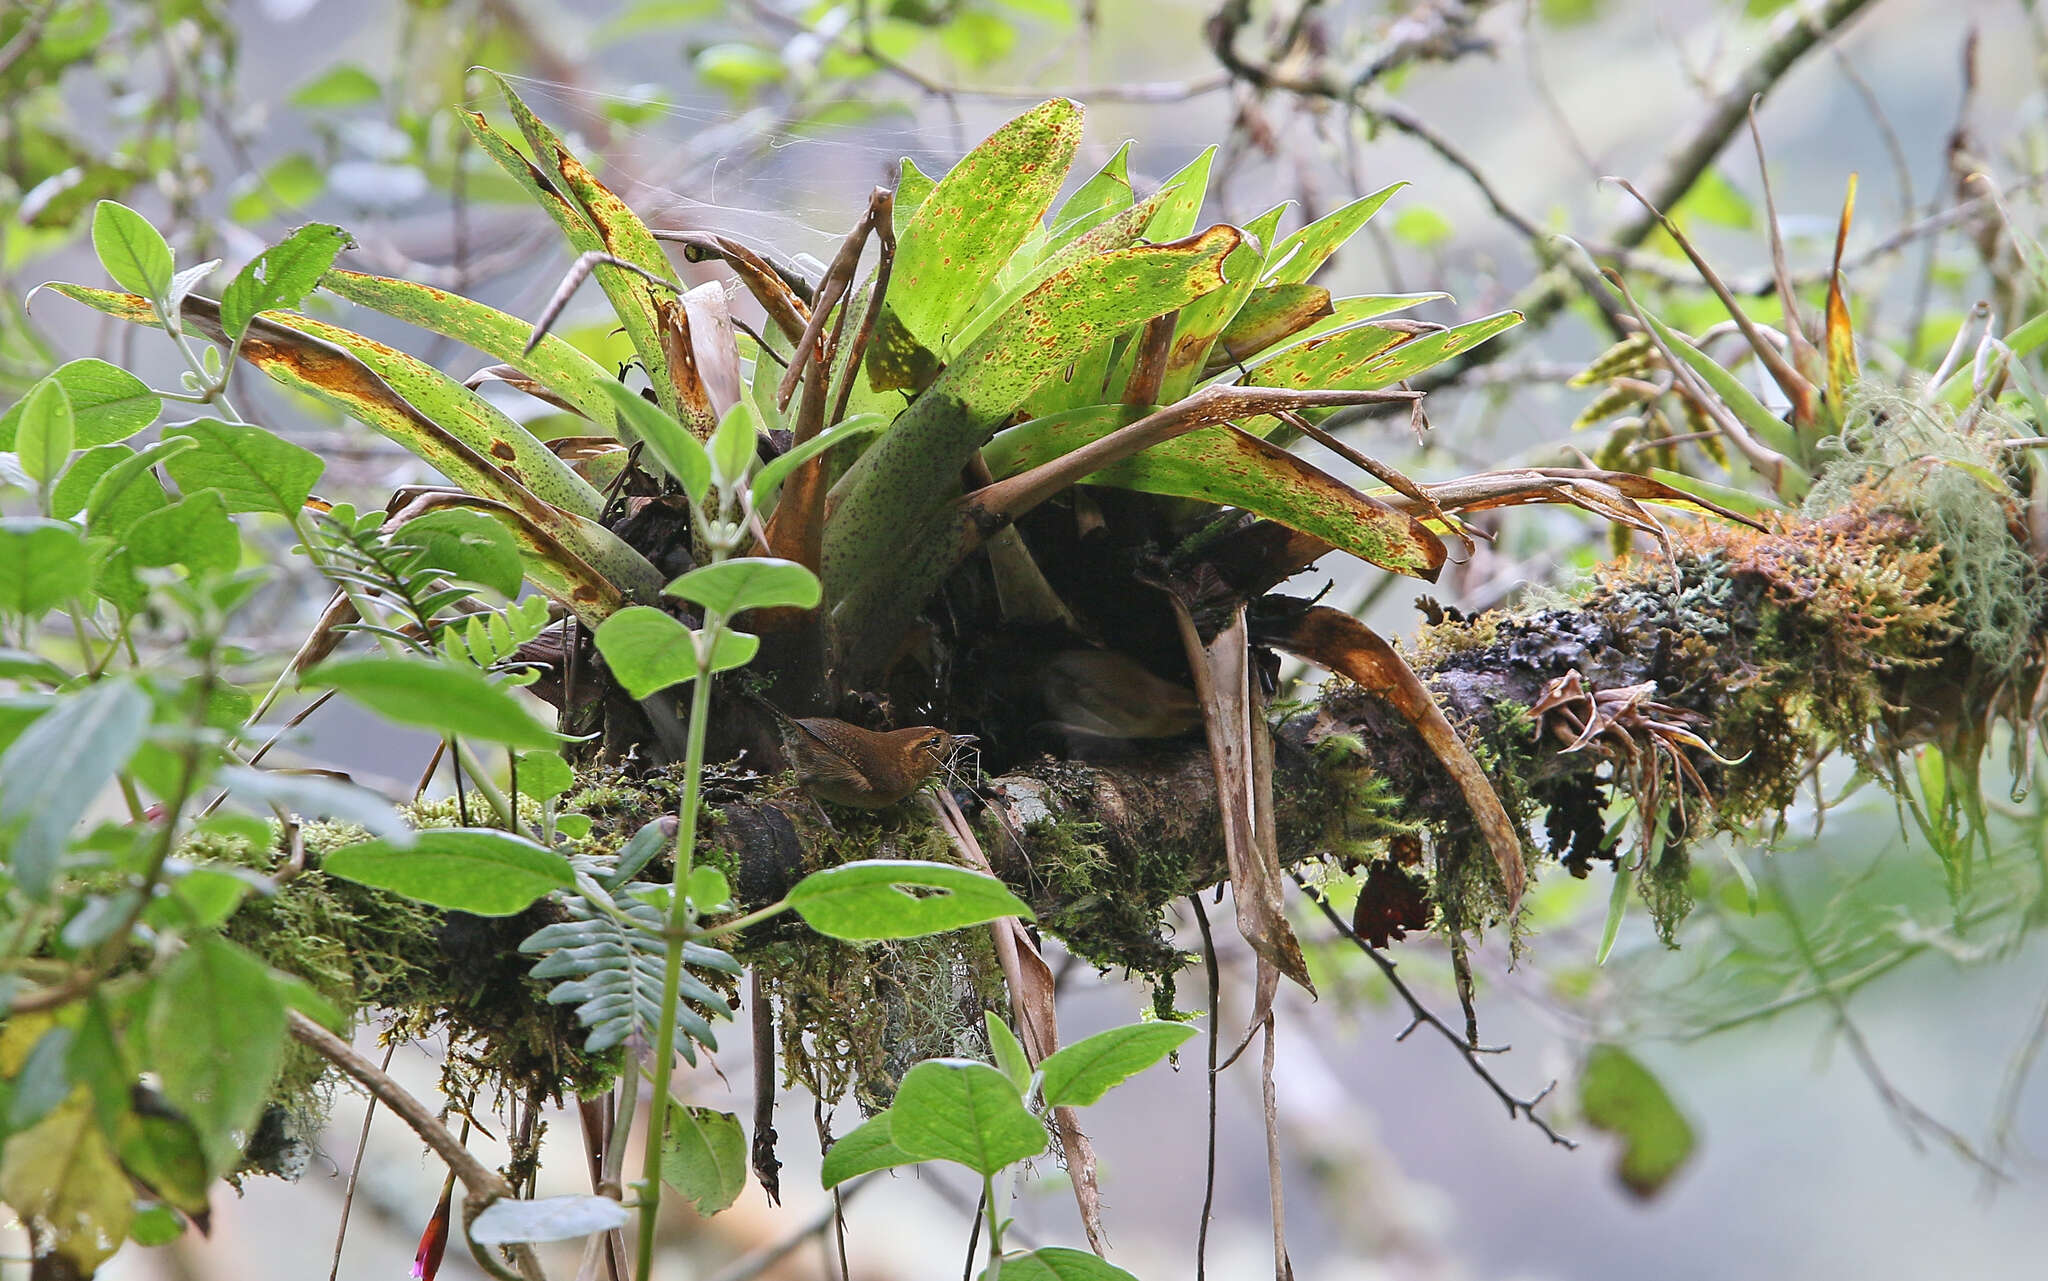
(848, 765)
(1101, 694)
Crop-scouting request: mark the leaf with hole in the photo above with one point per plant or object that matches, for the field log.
(900, 898)
(281, 276)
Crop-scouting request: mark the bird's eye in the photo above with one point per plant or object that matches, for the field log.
(932, 744)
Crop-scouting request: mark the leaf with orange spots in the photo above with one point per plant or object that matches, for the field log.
(554, 363)
(1230, 468)
(331, 372)
(963, 233)
(1841, 333)
(914, 468)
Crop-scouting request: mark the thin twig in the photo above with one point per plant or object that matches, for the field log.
(1421, 1015)
(1211, 969)
(348, 1198)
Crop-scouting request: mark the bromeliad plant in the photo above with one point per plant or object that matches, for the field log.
(916, 483)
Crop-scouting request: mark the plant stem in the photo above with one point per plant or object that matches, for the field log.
(995, 1227)
(681, 921)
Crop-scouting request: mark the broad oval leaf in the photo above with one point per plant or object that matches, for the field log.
(1618, 1094)
(1084, 1071)
(51, 773)
(216, 1037)
(735, 443)
(134, 253)
(48, 431)
(469, 545)
(453, 700)
(964, 1111)
(748, 582)
(900, 899)
(704, 1156)
(552, 1218)
(43, 563)
(769, 479)
(460, 869)
(255, 469)
(107, 404)
(648, 650)
(675, 450)
(865, 1148)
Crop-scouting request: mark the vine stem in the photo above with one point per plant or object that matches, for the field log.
(681, 922)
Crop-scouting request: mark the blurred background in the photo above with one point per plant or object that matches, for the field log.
(1855, 1058)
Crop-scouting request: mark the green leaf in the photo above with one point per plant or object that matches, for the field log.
(62, 1174)
(738, 69)
(459, 869)
(913, 185)
(865, 1148)
(107, 404)
(1058, 1263)
(1617, 907)
(544, 775)
(964, 1111)
(708, 888)
(48, 431)
(315, 797)
(551, 1218)
(280, 276)
(1755, 416)
(648, 650)
(748, 582)
(704, 1156)
(678, 453)
(128, 491)
(1083, 1072)
(1100, 198)
(156, 1225)
(194, 532)
(900, 899)
(68, 495)
(468, 545)
(1619, 1095)
(733, 445)
(1714, 200)
(134, 253)
(43, 563)
(1302, 252)
(254, 469)
(216, 1038)
(51, 773)
(167, 1154)
(450, 699)
(769, 479)
(346, 85)
(1180, 208)
(1008, 1050)
(43, 1082)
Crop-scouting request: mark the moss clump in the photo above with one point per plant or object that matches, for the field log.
(856, 1018)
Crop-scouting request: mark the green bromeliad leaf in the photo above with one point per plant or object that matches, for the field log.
(915, 466)
(555, 363)
(963, 233)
